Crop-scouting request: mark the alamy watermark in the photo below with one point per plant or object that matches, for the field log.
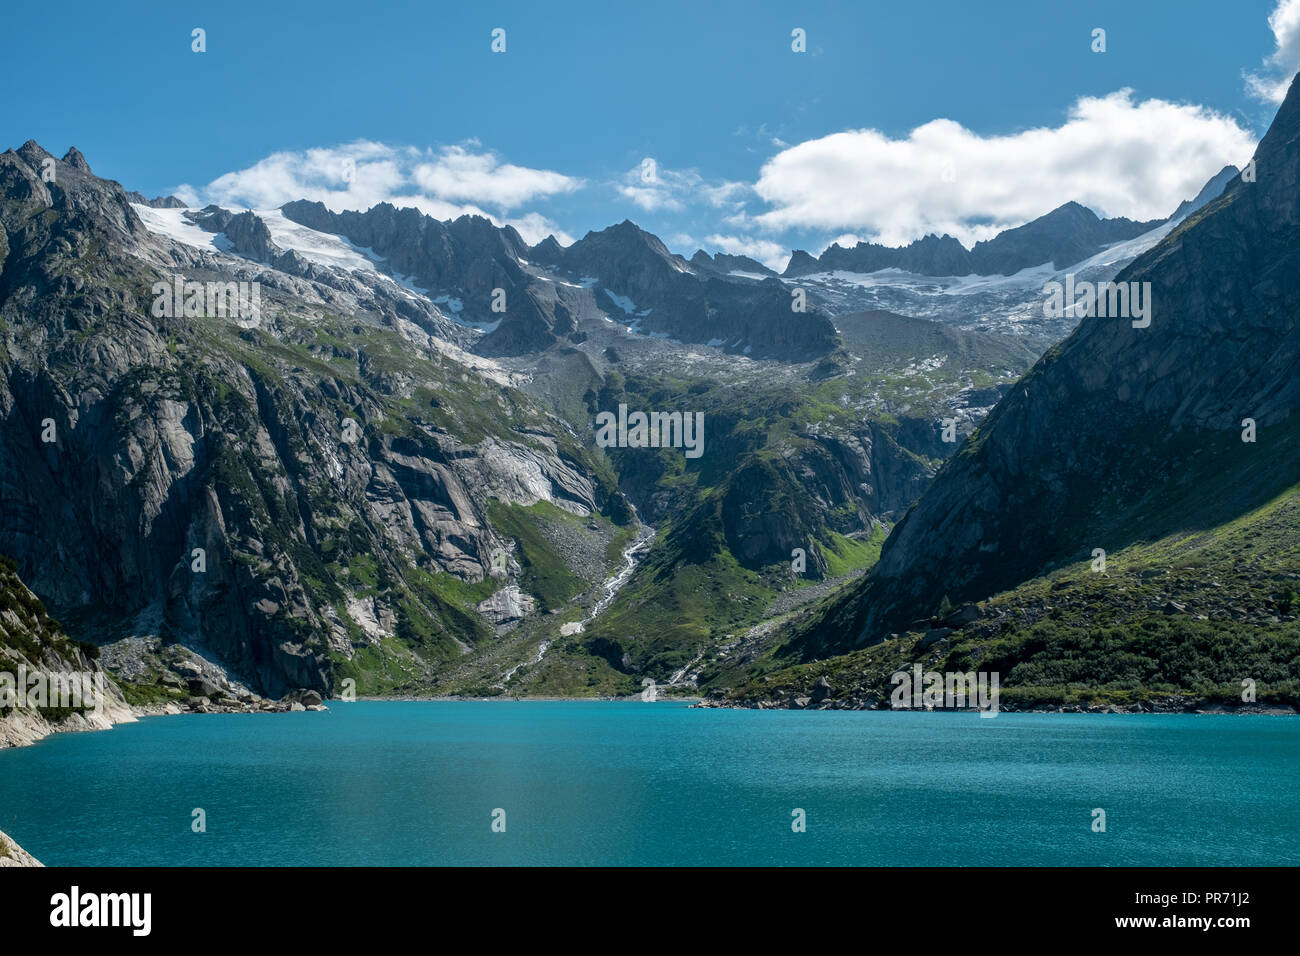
(33, 690)
(128, 910)
(1114, 300)
(177, 299)
(652, 430)
(950, 690)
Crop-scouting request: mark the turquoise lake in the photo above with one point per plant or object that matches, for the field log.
(402, 783)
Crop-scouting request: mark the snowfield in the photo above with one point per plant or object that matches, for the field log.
(172, 224)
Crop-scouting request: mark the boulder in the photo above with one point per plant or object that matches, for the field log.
(966, 614)
(202, 687)
(822, 689)
(934, 635)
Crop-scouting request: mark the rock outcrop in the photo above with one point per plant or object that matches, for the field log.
(11, 854)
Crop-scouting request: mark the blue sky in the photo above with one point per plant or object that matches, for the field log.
(754, 147)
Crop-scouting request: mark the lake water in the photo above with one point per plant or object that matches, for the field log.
(658, 783)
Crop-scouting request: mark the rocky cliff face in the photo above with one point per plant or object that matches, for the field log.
(662, 293)
(467, 259)
(247, 488)
(1121, 434)
(32, 643)
(622, 271)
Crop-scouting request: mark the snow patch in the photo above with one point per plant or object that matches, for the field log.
(321, 248)
(622, 301)
(173, 224)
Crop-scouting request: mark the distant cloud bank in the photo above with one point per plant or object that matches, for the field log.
(1114, 154)
(450, 182)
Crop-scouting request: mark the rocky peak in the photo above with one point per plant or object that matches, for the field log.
(32, 153)
(158, 202)
(95, 205)
(74, 159)
(1068, 234)
(801, 264)
(548, 252)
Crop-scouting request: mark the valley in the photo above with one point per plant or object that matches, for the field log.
(412, 471)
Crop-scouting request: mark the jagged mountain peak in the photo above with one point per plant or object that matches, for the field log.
(74, 159)
(158, 202)
(801, 263)
(33, 152)
(1068, 234)
(934, 239)
(626, 232)
(1074, 208)
(547, 251)
(98, 206)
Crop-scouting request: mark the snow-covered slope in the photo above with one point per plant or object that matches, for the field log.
(173, 224)
(318, 247)
(1011, 303)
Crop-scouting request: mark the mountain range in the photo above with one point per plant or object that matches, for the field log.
(389, 478)
(1066, 235)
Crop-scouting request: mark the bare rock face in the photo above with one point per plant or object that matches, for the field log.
(669, 296)
(468, 259)
(473, 261)
(11, 854)
(34, 648)
(1121, 433)
(244, 490)
(506, 605)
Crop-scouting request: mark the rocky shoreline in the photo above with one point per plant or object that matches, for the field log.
(1174, 704)
(11, 854)
(22, 728)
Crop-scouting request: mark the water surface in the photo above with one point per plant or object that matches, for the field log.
(658, 783)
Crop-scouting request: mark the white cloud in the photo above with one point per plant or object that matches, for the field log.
(1113, 154)
(653, 188)
(846, 241)
(1272, 83)
(481, 177)
(535, 227)
(454, 181)
(774, 255)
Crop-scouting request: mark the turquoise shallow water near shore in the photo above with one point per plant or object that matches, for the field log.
(416, 783)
